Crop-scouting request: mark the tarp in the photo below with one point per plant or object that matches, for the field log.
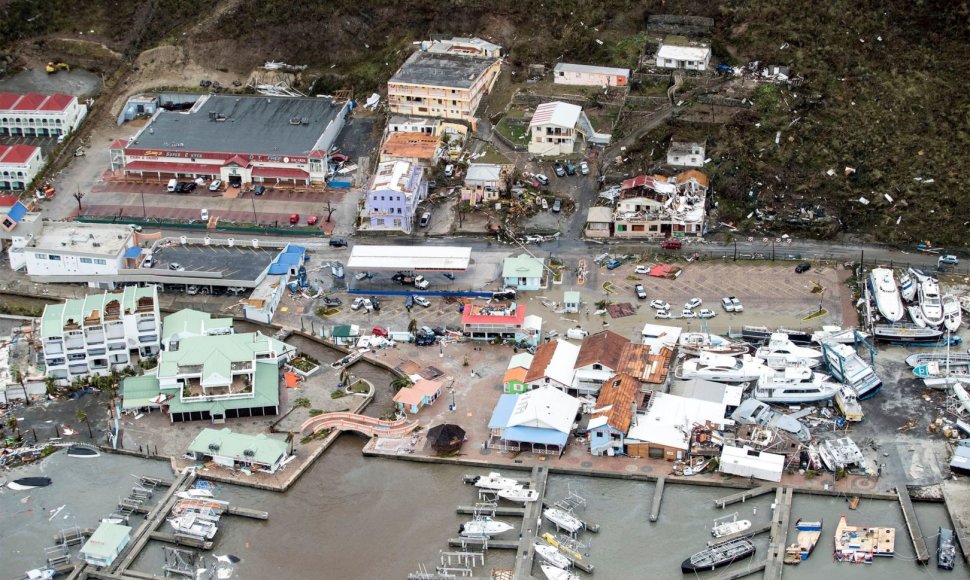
(133, 252)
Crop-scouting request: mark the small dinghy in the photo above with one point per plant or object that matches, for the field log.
(25, 483)
(82, 452)
(519, 494)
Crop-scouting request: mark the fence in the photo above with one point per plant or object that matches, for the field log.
(128, 220)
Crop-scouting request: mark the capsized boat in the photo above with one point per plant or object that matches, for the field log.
(718, 555)
(946, 550)
(494, 481)
(191, 525)
(554, 573)
(780, 352)
(886, 294)
(518, 494)
(82, 452)
(805, 541)
(952, 317)
(794, 385)
(25, 483)
(563, 519)
(720, 368)
(484, 526)
(907, 287)
(730, 525)
(551, 555)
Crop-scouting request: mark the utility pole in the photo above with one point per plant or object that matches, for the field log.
(143, 208)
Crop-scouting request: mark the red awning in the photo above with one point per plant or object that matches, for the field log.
(159, 166)
(280, 172)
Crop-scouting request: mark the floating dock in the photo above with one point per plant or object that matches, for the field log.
(912, 524)
(247, 513)
(743, 496)
(497, 510)
(658, 495)
(777, 543)
(489, 543)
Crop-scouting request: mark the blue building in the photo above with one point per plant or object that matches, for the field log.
(616, 407)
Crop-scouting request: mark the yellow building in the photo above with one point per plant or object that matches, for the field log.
(447, 86)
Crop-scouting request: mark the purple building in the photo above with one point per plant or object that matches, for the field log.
(393, 197)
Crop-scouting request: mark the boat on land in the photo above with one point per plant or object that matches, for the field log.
(493, 481)
(82, 452)
(838, 334)
(807, 538)
(519, 494)
(695, 343)
(861, 544)
(554, 573)
(729, 525)
(847, 367)
(906, 333)
(347, 360)
(25, 483)
(946, 550)
(192, 525)
(930, 301)
(794, 385)
(718, 555)
(848, 404)
(907, 287)
(882, 284)
(939, 369)
(952, 316)
(841, 454)
(551, 555)
(563, 519)
(484, 526)
(762, 334)
(692, 466)
(720, 368)
(780, 352)
(915, 360)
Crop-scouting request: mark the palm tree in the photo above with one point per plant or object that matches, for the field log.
(345, 377)
(400, 382)
(83, 418)
(12, 424)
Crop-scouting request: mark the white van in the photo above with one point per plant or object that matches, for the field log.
(577, 333)
(171, 184)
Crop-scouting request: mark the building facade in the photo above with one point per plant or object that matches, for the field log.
(393, 196)
(491, 321)
(19, 164)
(445, 85)
(41, 115)
(239, 450)
(685, 154)
(678, 52)
(593, 76)
(523, 272)
(552, 130)
(97, 334)
(76, 250)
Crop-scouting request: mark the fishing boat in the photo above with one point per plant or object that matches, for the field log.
(946, 550)
(484, 526)
(554, 573)
(718, 555)
(761, 334)
(695, 343)
(519, 494)
(838, 334)
(860, 544)
(563, 519)
(551, 555)
(729, 525)
(189, 505)
(847, 367)
(907, 287)
(82, 452)
(930, 301)
(194, 493)
(780, 352)
(191, 525)
(794, 385)
(848, 404)
(882, 284)
(493, 481)
(25, 483)
(915, 360)
(952, 317)
(720, 368)
(906, 333)
(805, 541)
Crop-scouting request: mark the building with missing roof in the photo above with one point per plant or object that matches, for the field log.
(240, 140)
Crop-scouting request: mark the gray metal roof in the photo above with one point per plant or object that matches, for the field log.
(256, 125)
(441, 70)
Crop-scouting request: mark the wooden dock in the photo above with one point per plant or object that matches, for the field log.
(497, 510)
(750, 532)
(478, 542)
(181, 540)
(775, 561)
(743, 496)
(912, 524)
(658, 495)
(752, 568)
(525, 552)
(247, 513)
(955, 499)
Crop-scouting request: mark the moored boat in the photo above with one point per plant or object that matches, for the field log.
(484, 527)
(946, 550)
(493, 481)
(518, 494)
(195, 493)
(563, 519)
(551, 555)
(805, 541)
(718, 555)
(730, 525)
(82, 452)
(191, 525)
(25, 483)
(554, 573)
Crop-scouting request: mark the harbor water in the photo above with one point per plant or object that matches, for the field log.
(352, 517)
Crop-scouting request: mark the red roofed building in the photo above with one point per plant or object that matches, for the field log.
(490, 321)
(36, 114)
(19, 164)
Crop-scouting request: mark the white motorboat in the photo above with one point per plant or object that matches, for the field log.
(695, 343)
(519, 494)
(729, 525)
(563, 519)
(793, 385)
(907, 287)
(191, 525)
(886, 294)
(721, 368)
(916, 313)
(838, 334)
(551, 555)
(780, 352)
(194, 494)
(847, 367)
(484, 527)
(494, 481)
(921, 358)
(952, 317)
(930, 301)
(847, 402)
(554, 573)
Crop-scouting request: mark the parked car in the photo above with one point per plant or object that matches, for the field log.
(727, 304)
(803, 267)
(693, 303)
(379, 331)
(641, 269)
(671, 244)
(148, 262)
(259, 190)
(192, 290)
(215, 185)
(425, 219)
(662, 315)
(560, 172)
(687, 313)
(294, 218)
(542, 179)
(311, 220)
(557, 206)
(738, 307)
(584, 167)
(706, 313)
(425, 340)
(422, 301)
(357, 303)
(614, 264)
(338, 243)
(176, 266)
(375, 303)
(504, 294)
(948, 260)
(362, 276)
(641, 292)
(659, 305)
(409, 302)
(577, 333)
(570, 169)
(332, 301)
(204, 214)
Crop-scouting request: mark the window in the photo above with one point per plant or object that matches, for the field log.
(85, 260)
(54, 258)
(597, 367)
(40, 256)
(100, 262)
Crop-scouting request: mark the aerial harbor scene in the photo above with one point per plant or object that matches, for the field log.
(483, 290)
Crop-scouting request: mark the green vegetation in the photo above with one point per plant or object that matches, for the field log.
(322, 434)
(516, 131)
(338, 394)
(360, 387)
(301, 402)
(315, 412)
(21, 309)
(304, 363)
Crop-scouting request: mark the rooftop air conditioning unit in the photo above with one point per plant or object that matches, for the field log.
(249, 452)
(213, 447)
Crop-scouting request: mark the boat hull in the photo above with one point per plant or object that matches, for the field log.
(26, 483)
(687, 566)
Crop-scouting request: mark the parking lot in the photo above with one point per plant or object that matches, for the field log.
(236, 263)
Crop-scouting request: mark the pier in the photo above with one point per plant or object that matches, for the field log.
(493, 510)
(743, 496)
(484, 543)
(658, 495)
(181, 540)
(746, 571)
(912, 524)
(956, 499)
(779, 534)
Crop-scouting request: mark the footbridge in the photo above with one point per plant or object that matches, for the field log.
(343, 421)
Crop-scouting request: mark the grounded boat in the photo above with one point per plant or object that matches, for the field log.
(25, 483)
(859, 544)
(838, 334)
(551, 555)
(915, 360)
(906, 333)
(886, 294)
(484, 527)
(780, 352)
(937, 369)
(563, 519)
(755, 412)
(82, 452)
(952, 317)
(907, 288)
(808, 536)
(761, 334)
(494, 481)
(732, 526)
(847, 367)
(794, 385)
(720, 368)
(848, 404)
(718, 555)
(917, 315)
(840, 454)
(554, 573)
(191, 525)
(946, 550)
(695, 343)
(519, 494)
(930, 301)
(692, 466)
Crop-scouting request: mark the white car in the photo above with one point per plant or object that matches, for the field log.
(641, 270)
(659, 305)
(727, 304)
(358, 302)
(738, 307)
(422, 301)
(706, 313)
(662, 314)
(584, 168)
(214, 186)
(688, 313)
(693, 303)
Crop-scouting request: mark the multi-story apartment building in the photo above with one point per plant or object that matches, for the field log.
(19, 164)
(97, 334)
(443, 85)
(44, 115)
(393, 196)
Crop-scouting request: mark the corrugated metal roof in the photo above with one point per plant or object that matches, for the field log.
(556, 113)
(590, 69)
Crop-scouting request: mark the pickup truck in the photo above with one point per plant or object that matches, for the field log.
(408, 280)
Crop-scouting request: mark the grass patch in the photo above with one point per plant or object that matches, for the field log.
(338, 394)
(516, 132)
(304, 364)
(491, 155)
(360, 387)
(326, 311)
(322, 434)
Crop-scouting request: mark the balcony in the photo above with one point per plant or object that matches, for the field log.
(55, 362)
(117, 346)
(75, 344)
(146, 325)
(78, 369)
(148, 338)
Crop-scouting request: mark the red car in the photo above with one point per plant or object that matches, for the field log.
(295, 218)
(379, 331)
(339, 158)
(311, 220)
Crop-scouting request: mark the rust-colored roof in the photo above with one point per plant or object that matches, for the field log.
(619, 393)
(411, 145)
(694, 174)
(604, 347)
(516, 374)
(540, 360)
(659, 366)
(634, 360)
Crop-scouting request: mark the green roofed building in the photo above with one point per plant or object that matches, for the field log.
(237, 450)
(190, 322)
(105, 544)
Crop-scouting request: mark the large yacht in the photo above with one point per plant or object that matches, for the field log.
(794, 385)
(721, 368)
(847, 366)
(780, 352)
(884, 291)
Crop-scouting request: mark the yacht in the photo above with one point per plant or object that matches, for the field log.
(191, 525)
(780, 352)
(761, 334)
(907, 287)
(695, 343)
(847, 367)
(518, 494)
(721, 368)
(794, 385)
(930, 302)
(838, 334)
(952, 317)
(886, 294)
(484, 527)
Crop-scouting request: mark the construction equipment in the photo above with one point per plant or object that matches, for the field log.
(53, 67)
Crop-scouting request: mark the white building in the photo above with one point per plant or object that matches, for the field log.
(678, 52)
(659, 336)
(556, 127)
(95, 335)
(19, 164)
(44, 115)
(483, 181)
(685, 154)
(586, 75)
(73, 251)
(463, 45)
(554, 365)
(600, 358)
(746, 462)
(664, 430)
